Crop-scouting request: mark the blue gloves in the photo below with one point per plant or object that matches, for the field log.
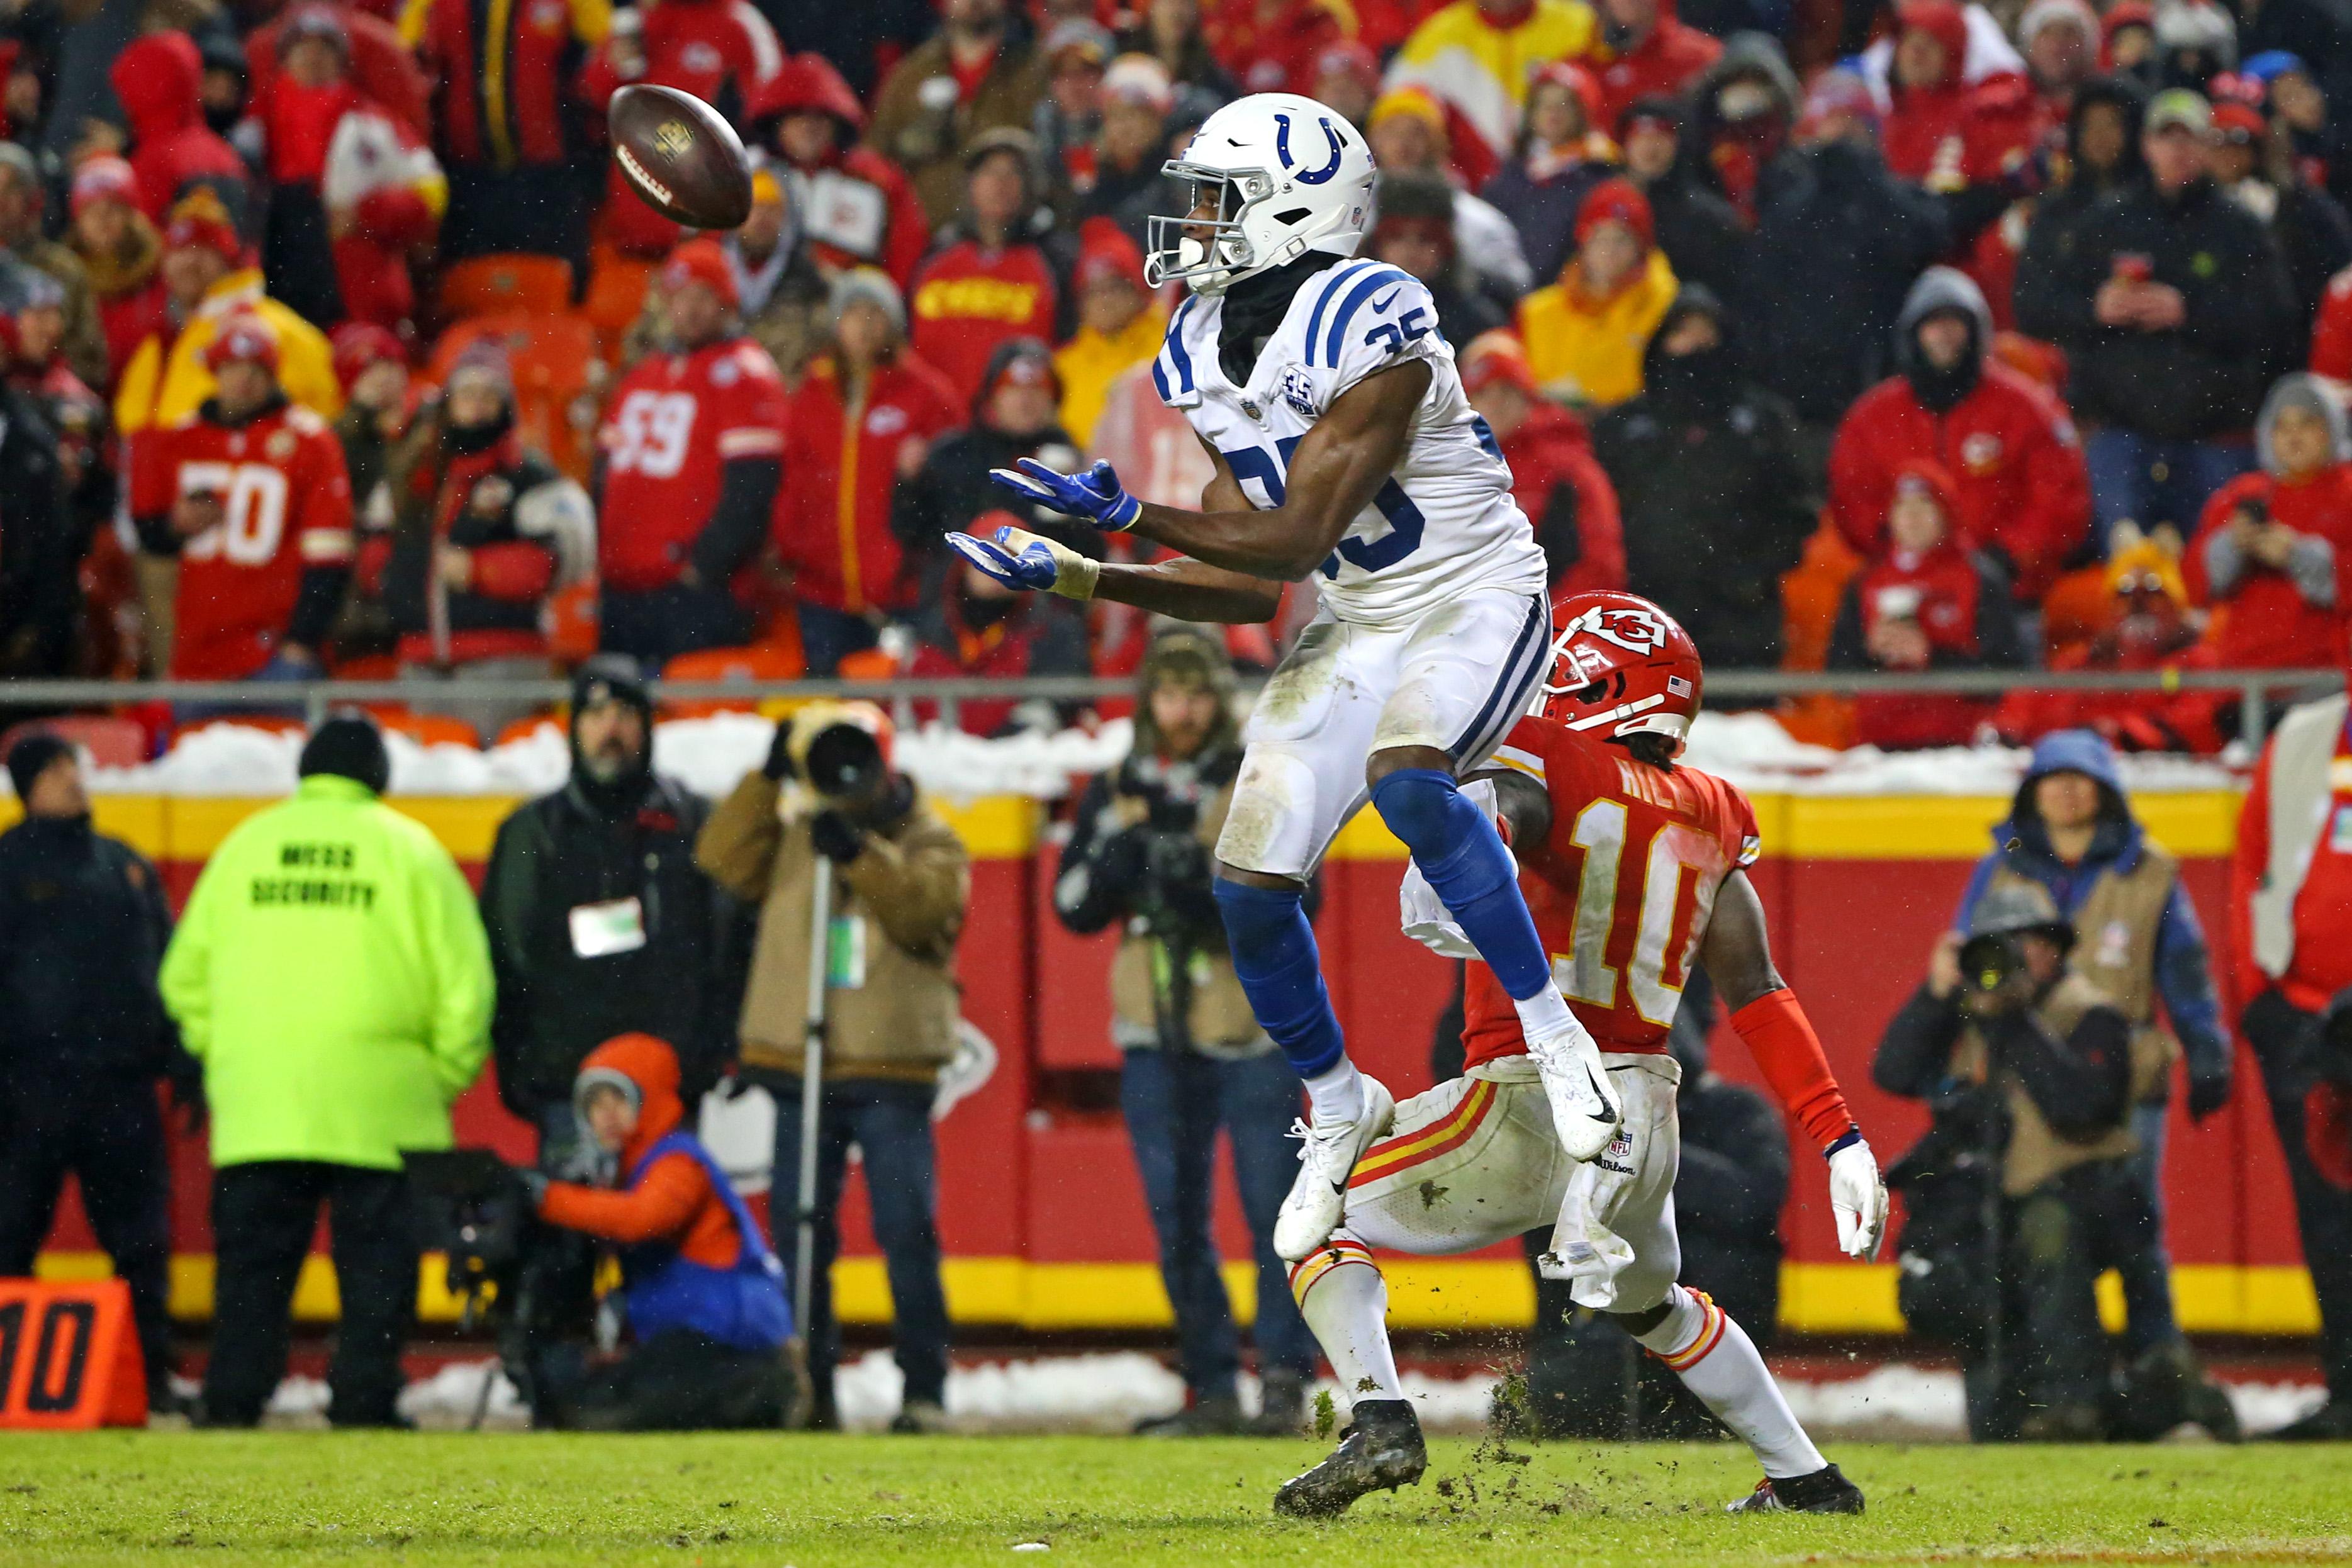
(1021, 560)
(1095, 495)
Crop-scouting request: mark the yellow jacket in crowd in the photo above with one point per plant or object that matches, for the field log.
(1091, 361)
(166, 380)
(1588, 351)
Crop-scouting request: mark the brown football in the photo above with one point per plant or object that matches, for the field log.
(681, 156)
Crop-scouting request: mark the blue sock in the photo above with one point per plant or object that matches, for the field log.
(1464, 859)
(1281, 972)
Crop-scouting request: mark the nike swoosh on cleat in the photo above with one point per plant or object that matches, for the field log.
(1606, 1114)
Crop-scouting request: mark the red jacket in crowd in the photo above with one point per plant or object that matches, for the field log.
(1943, 592)
(381, 66)
(528, 112)
(374, 174)
(286, 497)
(722, 51)
(2331, 334)
(2321, 966)
(157, 79)
(1956, 133)
(969, 299)
(833, 520)
(2018, 479)
(1663, 63)
(2263, 622)
(2131, 720)
(670, 428)
(855, 207)
(1272, 46)
(1560, 485)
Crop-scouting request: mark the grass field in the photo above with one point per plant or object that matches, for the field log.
(806, 1501)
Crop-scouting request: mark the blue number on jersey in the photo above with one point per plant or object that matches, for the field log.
(1404, 519)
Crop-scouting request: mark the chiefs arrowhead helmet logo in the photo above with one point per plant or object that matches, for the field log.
(1634, 629)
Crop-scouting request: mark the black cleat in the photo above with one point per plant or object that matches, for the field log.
(1823, 1491)
(1380, 1451)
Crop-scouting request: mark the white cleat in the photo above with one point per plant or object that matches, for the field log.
(1585, 1109)
(1319, 1197)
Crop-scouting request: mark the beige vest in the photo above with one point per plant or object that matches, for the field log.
(2037, 1152)
(1221, 1023)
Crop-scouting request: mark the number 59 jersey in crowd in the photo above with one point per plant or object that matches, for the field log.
(1444, 522)
(286, 507)
(670, 428)
(1620, 889)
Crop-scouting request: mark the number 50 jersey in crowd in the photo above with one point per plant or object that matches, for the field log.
(1620, 889)
(671, 427)
(286, 507)
(1444, 522)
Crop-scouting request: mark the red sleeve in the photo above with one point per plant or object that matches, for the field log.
(1781, 1039)
(910, 232)
(1743, 841)
(2224, 502)
(1599, 525)
(2057, 511)
(2248, 861)
(154, 472)
(324, 530)
(659, 1206)
(395, 217)
(2331, 335)
(374, 559)
(751, 414)
(517, 571)
(1857, 483)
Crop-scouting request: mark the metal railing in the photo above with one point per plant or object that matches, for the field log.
(314, 701)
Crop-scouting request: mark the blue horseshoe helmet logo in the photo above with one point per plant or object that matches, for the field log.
(1309, 176)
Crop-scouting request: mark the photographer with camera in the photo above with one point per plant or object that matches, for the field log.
(1193, 1057)
(2005, 1037)
(704, 1297)
(829, 828)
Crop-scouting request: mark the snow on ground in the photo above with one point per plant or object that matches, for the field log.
(1109, 1392)
(709, 754)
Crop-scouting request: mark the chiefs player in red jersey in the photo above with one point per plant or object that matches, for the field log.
(691, 460)
(1633, 869)
(251, 493)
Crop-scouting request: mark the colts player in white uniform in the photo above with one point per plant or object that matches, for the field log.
(1344, 452)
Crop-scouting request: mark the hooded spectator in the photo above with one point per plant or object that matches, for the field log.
(2127, 43)
(780, 288)
(1170, 32)
(1587, 333)
(2059, 40)
(482, 531)
(1119, 324)
(2019, 491)
(383, 66)
(2272, 555)
(2149, 626)
(859, 209)
(1703, 238)
(2101, 157)
(1646, 50)
(2173, 306)
(989, 282)
(858, 426)
(1924, 601)
(1273, 45)
(2249, 161)
(1561, 153)
(506, 121)
(1743, 108)
(121, 253)
(1714, 496)
(1068, 117)
(1137, 98)
(975, 76)
(2196, 40)
(1473, 56)
(1946, 130)
(1408, 135)
(24, 247)
(1556, 479)
(1415, 232)
(173, 152)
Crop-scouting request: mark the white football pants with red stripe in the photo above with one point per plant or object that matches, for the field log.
(1473, 1162)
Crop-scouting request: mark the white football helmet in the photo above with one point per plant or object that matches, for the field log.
(1283, 174)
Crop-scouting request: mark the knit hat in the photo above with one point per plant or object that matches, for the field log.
(360, 345)
(1836, 92)
(104, 179)
(31, 757)
(2044, 15)
(1019, 362)
(1350, 60)
(1654, 109)
(1497, 357)
(1077, 35)
(348, 746)
(1617, 201)
(1581, 86)
(242, 338)
(200, 220)
(1141, 80)
(1106, 250)
(2238, 122)
(2271, 64)
(485, 356)
(872, 286)
(314, 22)
(1414, 101)
(701, 261)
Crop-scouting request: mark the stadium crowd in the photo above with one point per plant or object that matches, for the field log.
(335, 344)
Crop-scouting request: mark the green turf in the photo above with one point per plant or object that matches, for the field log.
(805, 1501)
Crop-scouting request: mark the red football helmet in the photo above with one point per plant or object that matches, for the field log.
(1621, 665)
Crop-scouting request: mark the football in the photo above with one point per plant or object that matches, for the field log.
(681, 156)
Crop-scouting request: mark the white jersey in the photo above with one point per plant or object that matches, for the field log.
(1445, 523)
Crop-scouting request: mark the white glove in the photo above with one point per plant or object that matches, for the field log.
(1858, 1197)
